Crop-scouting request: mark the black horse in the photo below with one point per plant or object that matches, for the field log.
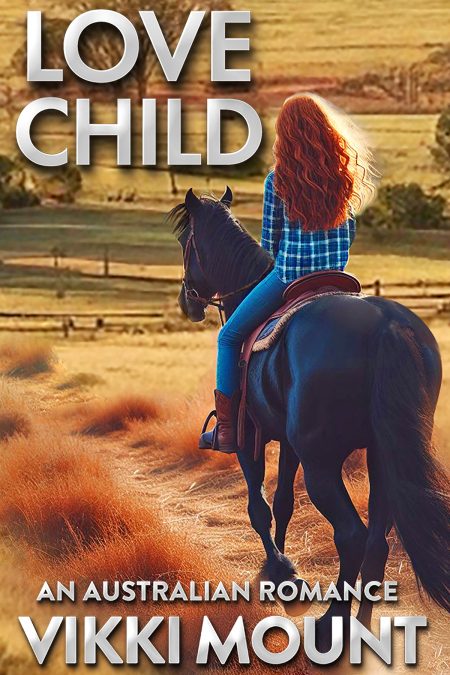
(348, 372)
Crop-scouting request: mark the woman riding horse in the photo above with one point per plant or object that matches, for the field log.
(308, 226)
(348, 371)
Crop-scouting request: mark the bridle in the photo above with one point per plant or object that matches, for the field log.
(192, 294)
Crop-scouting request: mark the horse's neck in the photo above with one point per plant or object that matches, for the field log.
(237, 288)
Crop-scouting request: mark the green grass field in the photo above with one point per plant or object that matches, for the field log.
(133, 236)
(142, 238)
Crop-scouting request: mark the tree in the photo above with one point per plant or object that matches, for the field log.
(20, 185)
(406, 205)
(8, 100)
(7, 168)
(61, 186)
(16, 186)
(434, 70)
(101, 46)
(441, 149)
(71, 177)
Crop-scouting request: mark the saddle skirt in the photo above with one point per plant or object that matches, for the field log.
(298, 294)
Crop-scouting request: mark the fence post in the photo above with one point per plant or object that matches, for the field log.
(106, 261)
(377, 287)
(65, 328)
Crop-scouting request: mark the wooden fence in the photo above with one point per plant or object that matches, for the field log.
(428, 299)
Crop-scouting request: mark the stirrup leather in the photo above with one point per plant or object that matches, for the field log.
(212, 414)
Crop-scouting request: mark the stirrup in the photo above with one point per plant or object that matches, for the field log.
(212, 414)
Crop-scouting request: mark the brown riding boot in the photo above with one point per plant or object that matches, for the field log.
(223, 436)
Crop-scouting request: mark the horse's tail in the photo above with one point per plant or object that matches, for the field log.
(415, 484)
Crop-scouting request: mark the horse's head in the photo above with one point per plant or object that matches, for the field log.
(197, 289)
(222, 261)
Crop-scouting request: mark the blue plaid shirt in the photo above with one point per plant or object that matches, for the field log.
(297, 252)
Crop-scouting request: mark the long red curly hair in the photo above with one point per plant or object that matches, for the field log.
(322, 163)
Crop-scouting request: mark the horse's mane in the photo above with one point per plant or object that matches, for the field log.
(219, 232)
(179, 219)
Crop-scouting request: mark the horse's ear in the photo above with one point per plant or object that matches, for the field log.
(227, 197)
(192, 202)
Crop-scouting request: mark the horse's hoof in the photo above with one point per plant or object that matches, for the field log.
(296, 607)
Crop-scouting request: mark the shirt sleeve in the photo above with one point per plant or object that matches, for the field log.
(273, 218)
(352, 225)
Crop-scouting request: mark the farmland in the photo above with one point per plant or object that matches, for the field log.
(292, 43)
(141, 244)
(100, 473)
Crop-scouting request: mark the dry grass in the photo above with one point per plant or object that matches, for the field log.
(15, 416)
(170, 425)
(24, 359)
(60, 499)
(55, 497)
(74, 521)
(64, 503)
(102, 418)
(177, 434)
(145, 503)
(80, 381)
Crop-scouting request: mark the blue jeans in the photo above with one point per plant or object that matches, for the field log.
(259, 304)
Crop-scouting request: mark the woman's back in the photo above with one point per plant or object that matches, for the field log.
(297, 251)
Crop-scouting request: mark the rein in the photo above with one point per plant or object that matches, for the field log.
(216, 300)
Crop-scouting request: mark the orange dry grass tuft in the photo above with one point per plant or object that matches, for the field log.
(60, 499)
(149, 550)
(74, 522)
(24, 359)
(102, 418)
(56, 496)
(14, 416)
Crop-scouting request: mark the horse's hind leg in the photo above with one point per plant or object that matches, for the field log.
(377, 548)
(283, 502)
(327, 491)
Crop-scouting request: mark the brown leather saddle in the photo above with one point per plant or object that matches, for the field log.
(299, 293)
